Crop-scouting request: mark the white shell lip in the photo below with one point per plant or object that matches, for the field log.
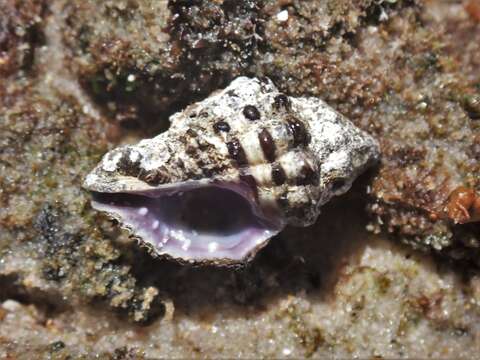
(155, 225)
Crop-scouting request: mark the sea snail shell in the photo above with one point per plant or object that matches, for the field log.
(231, 172)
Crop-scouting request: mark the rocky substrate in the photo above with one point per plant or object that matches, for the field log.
(81, 77)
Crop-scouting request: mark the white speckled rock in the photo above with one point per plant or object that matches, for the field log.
(231, 172)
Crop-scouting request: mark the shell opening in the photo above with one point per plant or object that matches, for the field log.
(195, 223)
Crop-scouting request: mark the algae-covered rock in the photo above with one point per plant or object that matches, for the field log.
(46, 148)
(21, 32)
(78, 78)
(142, 59)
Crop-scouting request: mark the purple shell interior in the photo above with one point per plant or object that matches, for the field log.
(208, 222)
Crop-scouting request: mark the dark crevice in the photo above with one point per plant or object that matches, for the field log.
(49, 304)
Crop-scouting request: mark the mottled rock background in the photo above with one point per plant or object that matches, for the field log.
(385, 272)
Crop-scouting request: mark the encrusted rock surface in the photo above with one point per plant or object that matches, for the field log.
(315, 294)
(405, 71)
(142, 59)
(20, 33)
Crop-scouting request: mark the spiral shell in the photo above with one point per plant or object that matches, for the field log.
(232, 171)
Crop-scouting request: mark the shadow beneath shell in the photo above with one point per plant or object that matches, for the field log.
(298, 260)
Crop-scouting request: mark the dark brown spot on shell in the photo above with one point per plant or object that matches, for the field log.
(252, 184)
(307, 176)
(282, 102)
(278, 175)
(236, 152)
(221, 126)
(298, 131)
(251, 113)
(267, 144)
(232, 93)
(192, 133)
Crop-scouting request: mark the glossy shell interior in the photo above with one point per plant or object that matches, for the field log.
(194, 221)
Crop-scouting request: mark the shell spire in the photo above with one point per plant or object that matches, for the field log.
(231, 172)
